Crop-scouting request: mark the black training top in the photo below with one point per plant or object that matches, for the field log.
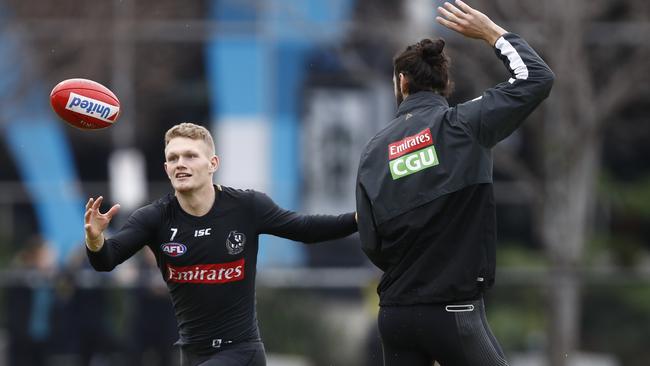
(424, 187)
(209, 262)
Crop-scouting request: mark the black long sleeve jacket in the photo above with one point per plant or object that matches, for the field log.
(424, 186)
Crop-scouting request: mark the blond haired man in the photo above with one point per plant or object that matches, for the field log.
(205, 239)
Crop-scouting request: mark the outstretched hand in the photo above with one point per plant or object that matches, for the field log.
(469, 22)
(96, 222)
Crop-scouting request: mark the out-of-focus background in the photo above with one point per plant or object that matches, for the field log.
(292, 90)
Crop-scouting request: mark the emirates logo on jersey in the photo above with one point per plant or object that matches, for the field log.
(211, 274)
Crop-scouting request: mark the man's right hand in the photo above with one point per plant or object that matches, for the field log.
(96, 222)
(469, 22)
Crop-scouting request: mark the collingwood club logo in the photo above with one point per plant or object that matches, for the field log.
(235, 242)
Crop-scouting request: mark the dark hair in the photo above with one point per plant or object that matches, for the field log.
(426, 66)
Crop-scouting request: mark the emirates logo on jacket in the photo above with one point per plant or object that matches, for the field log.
(412, 154)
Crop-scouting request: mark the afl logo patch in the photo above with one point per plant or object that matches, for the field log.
(235, 242)
(173, 249)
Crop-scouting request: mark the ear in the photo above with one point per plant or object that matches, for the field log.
(403, 84)
(166, 171)
(214, 163)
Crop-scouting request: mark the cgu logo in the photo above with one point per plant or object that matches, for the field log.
(92, 107)
(413, 162)
(412, 154)
(173, 249)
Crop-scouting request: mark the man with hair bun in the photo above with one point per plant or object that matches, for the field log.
(425, 202)
(205, 240)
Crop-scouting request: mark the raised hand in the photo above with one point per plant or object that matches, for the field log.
(96, 222)
(469, 22)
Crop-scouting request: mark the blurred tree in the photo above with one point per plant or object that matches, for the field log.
(601, 67)
(582, 101)
(627, 308)
(599, 57)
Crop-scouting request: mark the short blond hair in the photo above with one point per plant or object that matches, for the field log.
(190, 131)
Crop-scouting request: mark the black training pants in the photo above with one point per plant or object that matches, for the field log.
(241, 354)
(452, 334)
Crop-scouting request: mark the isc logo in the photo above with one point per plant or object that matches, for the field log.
(173, 249)
(202, 232)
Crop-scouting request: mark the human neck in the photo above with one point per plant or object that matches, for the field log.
(197, 203)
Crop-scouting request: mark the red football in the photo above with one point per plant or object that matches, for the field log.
(85, 104)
